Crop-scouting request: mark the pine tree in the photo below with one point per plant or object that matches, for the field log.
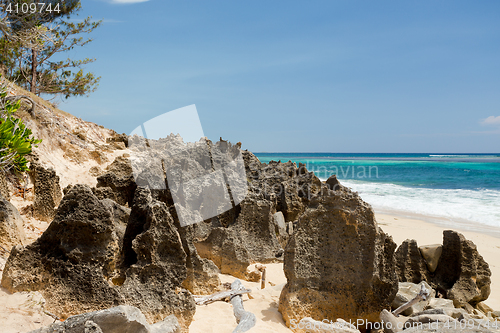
(31, 40)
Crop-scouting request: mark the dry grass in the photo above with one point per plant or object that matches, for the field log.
(38, 100)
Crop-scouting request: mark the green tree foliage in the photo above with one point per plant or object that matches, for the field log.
(16, 140)
(31, 42)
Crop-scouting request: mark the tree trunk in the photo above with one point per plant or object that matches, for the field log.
(34, 65)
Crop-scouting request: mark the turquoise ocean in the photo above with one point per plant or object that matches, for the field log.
(449, 189)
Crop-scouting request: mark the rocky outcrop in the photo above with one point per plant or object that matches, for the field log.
(47, 191)
(72, 259)
(154, 262)
(202, 274)
(461, 273)
(120, 179)
(4, 187)
(293, 186)
(251, 238)
(11, 225)
(120, 138)
(76, 266)
(120, 319)
(120, 215)
(333, 183)
(224, 248)
(338, 262)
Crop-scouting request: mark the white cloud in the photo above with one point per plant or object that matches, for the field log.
(491, 120)
(127, 1)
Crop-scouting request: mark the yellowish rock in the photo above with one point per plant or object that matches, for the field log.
(431, 254)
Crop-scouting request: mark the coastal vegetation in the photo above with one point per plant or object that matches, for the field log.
(16, 140)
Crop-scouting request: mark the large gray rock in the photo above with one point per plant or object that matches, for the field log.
(120, 178)
(72, 259)
(11, 225)
(338, 262)
(47, 192)
(154, 262)
(225, 249)
(77, 266)
(120, 319)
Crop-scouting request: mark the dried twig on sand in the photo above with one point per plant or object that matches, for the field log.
(220, 296)
(246, 320)
(421, 296)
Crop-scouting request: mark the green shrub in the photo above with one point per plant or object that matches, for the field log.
(16, 140)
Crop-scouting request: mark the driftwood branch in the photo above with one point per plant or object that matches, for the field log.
(246, 320)
(220, 296)
(421, 296)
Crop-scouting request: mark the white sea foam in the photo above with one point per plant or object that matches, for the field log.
(481, 206)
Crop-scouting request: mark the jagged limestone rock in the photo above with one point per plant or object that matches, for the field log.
(4, 187)
(119, 177)
(76, 259)
(461, 275)
(410, 265)
(47, 192)
(338, 262)
(11, 225)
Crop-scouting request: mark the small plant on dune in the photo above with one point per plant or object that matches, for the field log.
(16, 140)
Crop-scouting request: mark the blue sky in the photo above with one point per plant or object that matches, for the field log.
(303, 76)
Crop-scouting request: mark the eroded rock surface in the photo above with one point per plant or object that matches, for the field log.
(461, 275)
(462, 272)
(338, 262)
(4, 187)
(410, 265)
(11, 225)
(47, 191)
(77, 265)
(120, 179)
